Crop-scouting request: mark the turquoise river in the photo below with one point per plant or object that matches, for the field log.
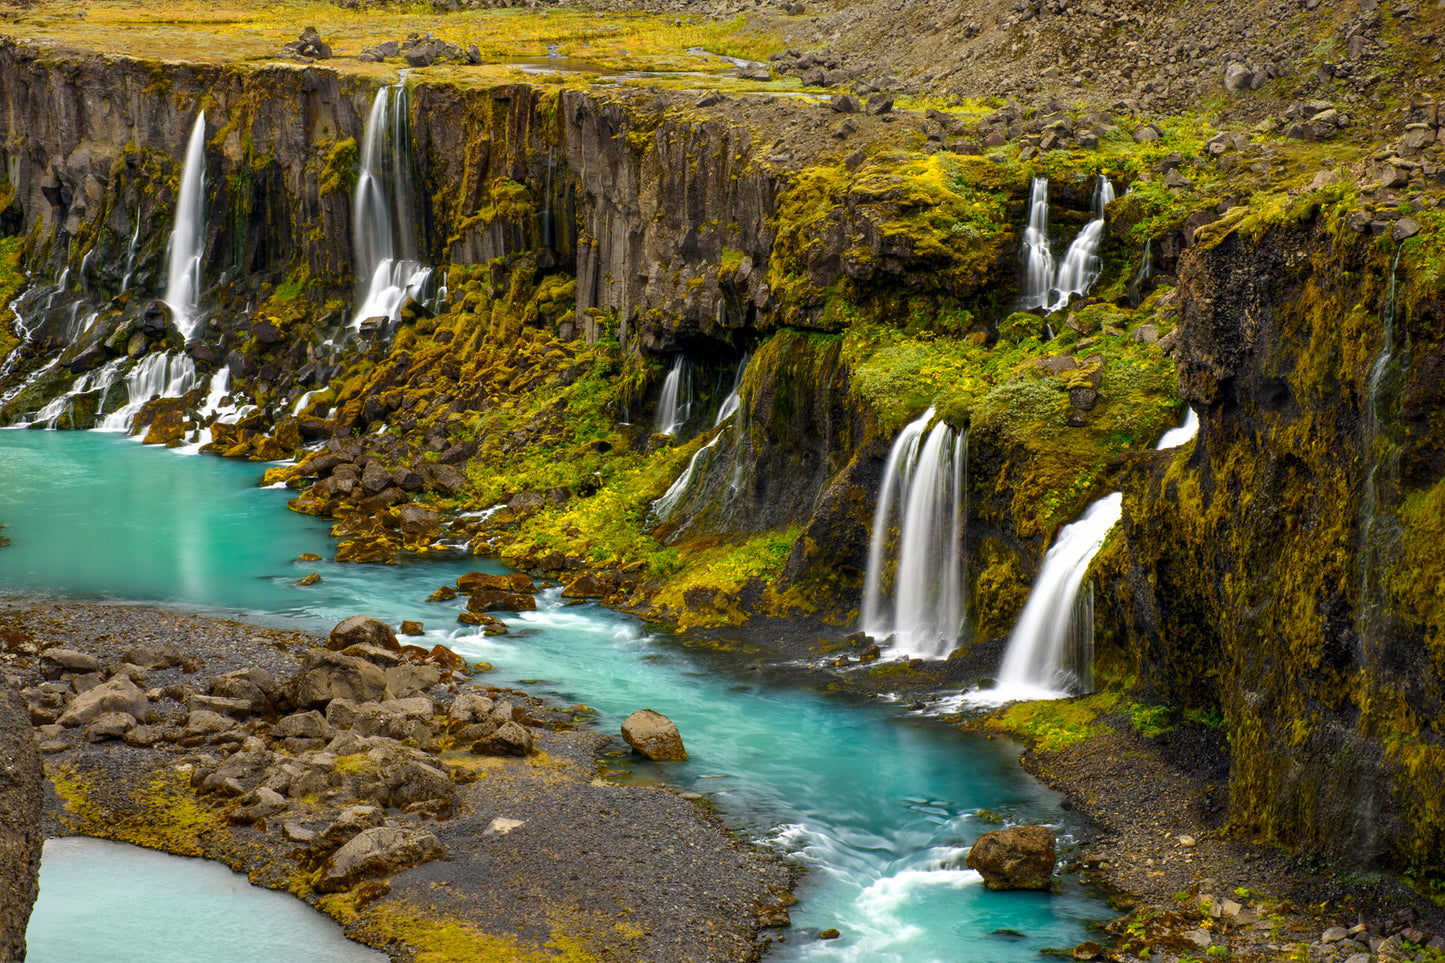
(878, 802)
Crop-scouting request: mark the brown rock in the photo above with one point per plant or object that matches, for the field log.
(492, 600)
(1018, 858)
(361, 630)
(412, 628)
(654, 735)
(372, 853)
(587, 586)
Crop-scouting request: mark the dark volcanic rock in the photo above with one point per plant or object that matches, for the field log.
(21, 795)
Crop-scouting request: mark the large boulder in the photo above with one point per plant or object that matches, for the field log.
(376, 852)
(654, 735)
(331, 675)
(361, 630)
(118, 695)
(1018, 858)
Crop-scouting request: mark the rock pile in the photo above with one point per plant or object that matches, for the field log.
(420, 51)
(343, 754)
(307, 48)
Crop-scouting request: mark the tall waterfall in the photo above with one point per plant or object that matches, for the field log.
(1038, 261)
(1043, 285)
(675, 405)
(163, 374)
(1033, 663)
(188, 234)
(1081, 266)
(384, 226)
(924, 485)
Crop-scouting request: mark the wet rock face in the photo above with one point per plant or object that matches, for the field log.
(1018, 858)
(21, 794)
(1277, 575)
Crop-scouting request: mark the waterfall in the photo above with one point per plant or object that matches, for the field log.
(188, 234)
(163, 374)
(1038, 262)
(1033, 663)
(1043, 286)
(1081, 266)
(1182, 435)
(1145, 272)
(98, 380)
(923, 488)
(730, 404)
(663, 508)
(130, 255)
(675, 405)
(384, 237)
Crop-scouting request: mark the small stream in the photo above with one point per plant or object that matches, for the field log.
(878, 802)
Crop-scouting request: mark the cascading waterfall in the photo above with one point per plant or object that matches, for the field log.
(98, 380)
(1043, 285)
(1081, 266)
(188, 234)
(674, 407)
(730, 404)
(164, 375)
(1181, 435)
(384, 243)
(1033, 663)
(924, 483)
(1038, 261)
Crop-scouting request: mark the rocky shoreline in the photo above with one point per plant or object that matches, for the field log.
(427, 814)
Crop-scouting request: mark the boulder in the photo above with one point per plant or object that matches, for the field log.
(418, 523)
(654, 735)
(491, 625)
(152, 657)
(56, 662)
(1018, 858)
(509, 739)
(331, 675)
(348, 823)
(410, 627)
(469, 707)
(361, 630)
(410, 680)
(376, 852)
(586, 586)
(476, 581)
(118, 695)
(492, 600)
(109, 725)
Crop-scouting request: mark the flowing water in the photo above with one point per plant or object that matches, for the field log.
(1082, 265)
(1038, 260)
(384, 226)
(188, 234)
(1181, 435)
(1033, 664)
(880, 803)
(674, 406)
(922, 493)
(122, 904)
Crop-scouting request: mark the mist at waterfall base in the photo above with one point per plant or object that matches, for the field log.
(122, 904)
(879, 803)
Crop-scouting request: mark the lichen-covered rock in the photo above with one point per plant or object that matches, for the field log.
(1021, 857)
(654, 735)
(492, 600)
(376, 852)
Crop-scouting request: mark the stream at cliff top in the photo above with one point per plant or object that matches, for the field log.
(879, 803)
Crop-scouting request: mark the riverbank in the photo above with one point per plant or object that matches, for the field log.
(1191, 884)
(538, 853)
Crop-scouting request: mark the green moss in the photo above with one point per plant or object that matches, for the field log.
(339, 171)
(1056, 724)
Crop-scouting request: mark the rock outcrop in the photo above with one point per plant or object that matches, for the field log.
(21, 793)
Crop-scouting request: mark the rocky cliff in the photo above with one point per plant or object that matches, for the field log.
(21, 796)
